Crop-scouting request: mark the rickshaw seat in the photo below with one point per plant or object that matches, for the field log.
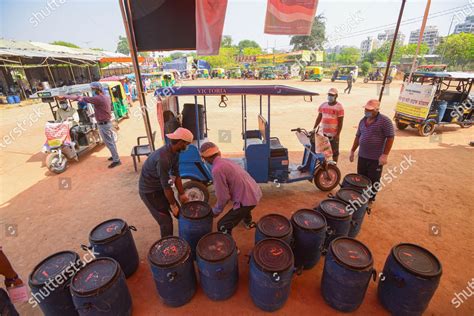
(276, 148)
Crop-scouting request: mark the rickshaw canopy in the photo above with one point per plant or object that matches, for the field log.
(276, 90)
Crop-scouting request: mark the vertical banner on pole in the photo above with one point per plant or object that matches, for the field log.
(290, 17)
(210, 17)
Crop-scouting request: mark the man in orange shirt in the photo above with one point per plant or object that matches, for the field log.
(331, 117)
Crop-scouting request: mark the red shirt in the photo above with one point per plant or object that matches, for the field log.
(330, 115)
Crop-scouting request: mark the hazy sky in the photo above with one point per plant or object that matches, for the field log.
(98, 23)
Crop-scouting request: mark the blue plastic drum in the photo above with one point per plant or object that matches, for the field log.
(338, 216)
(173, 270)
(113, 238)
(274, 226)
(410, 278)
(348, 269)
(309, 229)
(10, 99)
(195, 221)
(271, 272)
(55, 272)
(100, 289)
(218, 265)
(357, 182)
(16, 99)
(358, 204)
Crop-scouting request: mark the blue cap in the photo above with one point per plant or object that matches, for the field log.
(96, 85)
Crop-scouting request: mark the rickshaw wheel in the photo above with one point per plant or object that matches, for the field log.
(196, 191)
(426, 129)
(327, 178)
(401, 126)
(53, 164)
(366, 80)
(466, 124)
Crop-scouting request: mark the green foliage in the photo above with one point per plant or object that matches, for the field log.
(248, 44)
(98, 49)
(226, 41)
(457, 50)
(122, 46)
(177, 55)
(365, 68)
(225, 59)
(167, 59)
(63, 43)
(410, 49)
(251, 51)
(315, 40)
(349, 56)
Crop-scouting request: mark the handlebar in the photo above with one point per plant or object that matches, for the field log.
(304, 131)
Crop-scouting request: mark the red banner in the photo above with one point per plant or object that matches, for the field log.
(290, 17)
(210, 17)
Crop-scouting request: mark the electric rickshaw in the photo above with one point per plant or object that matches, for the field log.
(434, 99)
(265, 158)
(203, 73)
(69, 139)
(267, 73)
(378, 75)
(312, 73)
(218, 73)
(235, 73)
(342, 73)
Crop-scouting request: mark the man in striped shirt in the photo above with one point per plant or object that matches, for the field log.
(331, 117)
(375, 137)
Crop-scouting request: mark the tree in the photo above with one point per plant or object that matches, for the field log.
(315, 40)
(225, 59)
(122, 46)
(63, 43)
(248, 44)
(410, 49)
(457, 49)
(365, 67)
(226, 41)
(349, 55)
(251, 51)
(176, 55)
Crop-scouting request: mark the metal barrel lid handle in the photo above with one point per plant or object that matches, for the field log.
(331, 195)
(276, 277)
(374, 275)
(131, 227)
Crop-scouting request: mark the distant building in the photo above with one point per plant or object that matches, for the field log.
(388, 35)
(430, 37)
(336, 49)
(466, 27)
(368, 45)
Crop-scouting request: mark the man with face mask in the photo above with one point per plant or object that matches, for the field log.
(66, 112)
(103, 115)
(155, 184)
(375, 137)
(331, 117)
(231, 183)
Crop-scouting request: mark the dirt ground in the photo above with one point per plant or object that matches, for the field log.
(430, 203)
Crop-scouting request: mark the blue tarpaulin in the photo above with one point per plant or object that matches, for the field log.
(179, 64)
(202, 64)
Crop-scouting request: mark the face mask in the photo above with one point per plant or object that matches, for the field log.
(331, 98)
(64, 106)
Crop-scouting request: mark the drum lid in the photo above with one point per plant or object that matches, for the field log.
(215, 246)
(335, 208)
(273, 255)
(309, 219)
(95, 275)
(417, 260)
(274, 225)
(169, 251)
(358, 180)
(351, 253)
(348, 195)
(52, 266)
(108, 230)
(195, 210)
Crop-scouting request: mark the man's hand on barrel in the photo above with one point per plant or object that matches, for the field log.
(175, 209)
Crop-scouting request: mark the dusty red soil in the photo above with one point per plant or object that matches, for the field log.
(437, 189)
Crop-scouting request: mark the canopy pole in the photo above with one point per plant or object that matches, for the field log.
(127, 22)
(392, 48)
(422, 32)
(89, 71)
(72, 73)
(51, 73)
